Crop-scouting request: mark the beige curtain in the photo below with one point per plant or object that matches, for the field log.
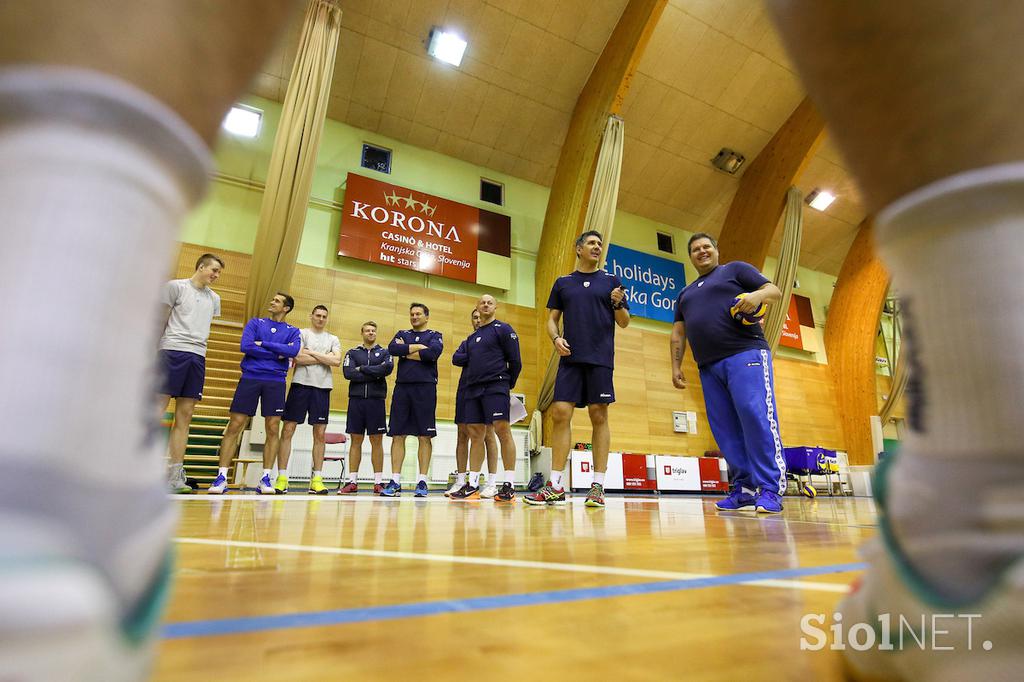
(900, 373)
(604, 197)
(293, 160)
(785, 272)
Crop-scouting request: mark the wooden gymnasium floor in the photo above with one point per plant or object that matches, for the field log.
(317, 588)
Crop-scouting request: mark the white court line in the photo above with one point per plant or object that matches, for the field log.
(513, 563)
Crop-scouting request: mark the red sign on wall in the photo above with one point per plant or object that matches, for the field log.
(392, 225)
(791, 335)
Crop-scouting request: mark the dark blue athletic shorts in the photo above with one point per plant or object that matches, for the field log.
(413, 407)
(584, 384)
(303, 400)
(269, 394)
(366, 415)
(184, 374)
(487, 409)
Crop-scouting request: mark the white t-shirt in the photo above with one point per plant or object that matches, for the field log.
(192, 312)
(317, 376)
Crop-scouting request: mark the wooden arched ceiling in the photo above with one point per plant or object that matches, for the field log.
(714, 75)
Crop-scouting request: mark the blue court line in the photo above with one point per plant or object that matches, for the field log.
(235, 626)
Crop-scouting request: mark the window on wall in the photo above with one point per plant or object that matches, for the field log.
(493, 192)
(666, 243)
(376, 158)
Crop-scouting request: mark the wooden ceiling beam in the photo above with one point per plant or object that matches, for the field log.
(850, 334)
(761, 197)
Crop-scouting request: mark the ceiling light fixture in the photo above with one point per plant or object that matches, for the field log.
(243, 121)
(446, 46)
(820, 199)
(728, 161)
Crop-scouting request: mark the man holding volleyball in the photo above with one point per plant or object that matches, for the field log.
(718, 313)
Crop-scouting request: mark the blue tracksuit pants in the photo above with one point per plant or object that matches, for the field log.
(739, 394)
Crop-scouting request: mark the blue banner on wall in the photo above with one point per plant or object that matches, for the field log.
(652, 283)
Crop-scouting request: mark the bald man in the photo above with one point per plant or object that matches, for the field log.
(491, 364)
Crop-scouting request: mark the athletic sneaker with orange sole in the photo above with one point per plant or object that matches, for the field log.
(466, 492)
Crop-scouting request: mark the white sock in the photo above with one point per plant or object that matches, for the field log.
(95, 179)
(397, 477)
(422, 478)
(460, 479)
(510, 476)
(474, 479)
(496, 477)
(353, 478)
(955, 251)
(599, 477)
(317, 474)
(222, 471)
(556, 480)
(266, 472)
(378, 476)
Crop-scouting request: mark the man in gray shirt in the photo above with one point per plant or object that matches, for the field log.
(191, 307)
(310, 394)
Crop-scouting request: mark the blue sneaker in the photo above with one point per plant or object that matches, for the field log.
(218, 486)
(265, 487)
(421, 489)
(769, 502)
(737, 500)
(392, 489)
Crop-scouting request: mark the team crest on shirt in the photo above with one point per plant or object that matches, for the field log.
(377, 354)
(273, 330)
(417, 338)
(700, 284)
(478, 339)
(586, 284)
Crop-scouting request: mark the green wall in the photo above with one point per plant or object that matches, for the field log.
(228, 217)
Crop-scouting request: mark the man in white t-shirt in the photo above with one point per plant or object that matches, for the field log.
(191, 307)
(310, 394)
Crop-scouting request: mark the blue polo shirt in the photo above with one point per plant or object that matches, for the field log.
(703, 307)
(588, 320)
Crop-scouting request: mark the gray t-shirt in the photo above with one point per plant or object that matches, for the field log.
(192, 312)
(317, 376)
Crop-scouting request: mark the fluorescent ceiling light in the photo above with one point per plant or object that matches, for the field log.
(243, 121)
(820, 199)
(448, 47)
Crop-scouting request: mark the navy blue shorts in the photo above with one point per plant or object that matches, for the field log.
(460, 407)
(583, 384)
(303, 400)
(269, 394)
(412, 410)
(487, 409)
(366, 415)
(184, 374)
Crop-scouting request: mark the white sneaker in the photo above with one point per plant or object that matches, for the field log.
(177, 484)
(942, 639)
(61, 622)
(219, 485)
(456, 487)
(489, 491)
(265, 487)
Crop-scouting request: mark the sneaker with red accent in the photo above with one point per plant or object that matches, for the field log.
(546, 495)
(349, 488)
(595, 498)
(378, 488)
